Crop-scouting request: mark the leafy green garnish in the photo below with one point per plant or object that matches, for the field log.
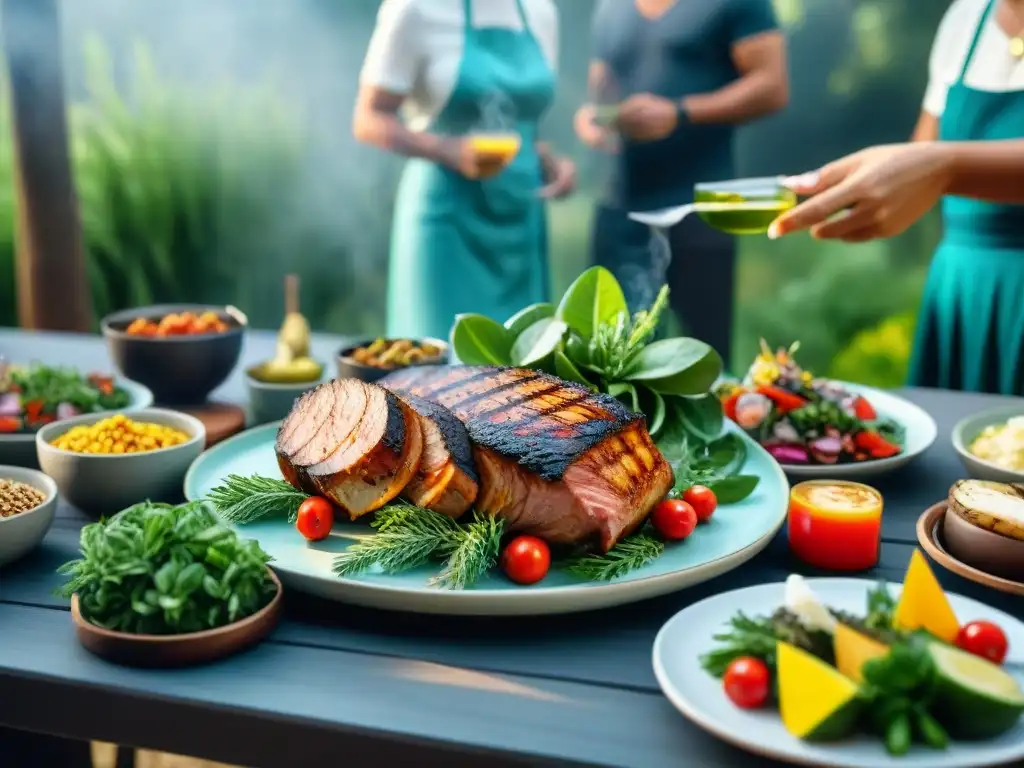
(242, 500)
(49, 387)
(161, 569)
(409, 536)
(629, 554)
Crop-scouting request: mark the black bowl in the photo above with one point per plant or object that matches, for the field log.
(350, 368)
(181, 370)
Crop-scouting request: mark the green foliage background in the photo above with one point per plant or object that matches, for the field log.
(208, 180)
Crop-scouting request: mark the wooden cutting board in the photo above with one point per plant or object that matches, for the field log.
(222, 420)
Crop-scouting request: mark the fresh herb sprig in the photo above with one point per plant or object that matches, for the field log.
(240, 500)
(162, 569)
(409, 536)
(629, 554)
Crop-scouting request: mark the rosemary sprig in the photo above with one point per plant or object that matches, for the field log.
(475, 554)
(614, 345)
(628, 555)
(407, 536)
(243, 500)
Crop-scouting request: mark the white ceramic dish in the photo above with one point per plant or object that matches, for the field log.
(21, 533)
(20, 449)
(921, 432)
(968, 429)
(735, 534)
(104, 484)
(700, 697)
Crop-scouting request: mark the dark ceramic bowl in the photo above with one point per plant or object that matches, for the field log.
(350, 368)
(180, 370)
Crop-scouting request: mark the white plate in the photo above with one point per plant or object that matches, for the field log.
(920, 434)
(20, 449)
(700, 697)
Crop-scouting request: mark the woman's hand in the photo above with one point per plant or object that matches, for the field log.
(559, 177)
(879, 192)
(646, 117)
(590, 133)
(462, 156)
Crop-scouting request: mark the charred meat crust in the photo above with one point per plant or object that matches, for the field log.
(453, 432)
(538, 420)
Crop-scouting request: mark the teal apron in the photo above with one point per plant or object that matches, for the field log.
(970, 331)
(462, 245)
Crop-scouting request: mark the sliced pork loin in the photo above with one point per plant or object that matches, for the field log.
(352, 442)
(447, 481)
(555, 460)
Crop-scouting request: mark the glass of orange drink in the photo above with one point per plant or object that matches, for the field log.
(495, 149)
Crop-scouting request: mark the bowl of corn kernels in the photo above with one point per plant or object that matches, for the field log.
(28, 503)
(103, 463)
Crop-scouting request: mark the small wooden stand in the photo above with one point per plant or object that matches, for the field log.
(222, 420)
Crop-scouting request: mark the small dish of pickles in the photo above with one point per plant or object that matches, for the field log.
(372, 360)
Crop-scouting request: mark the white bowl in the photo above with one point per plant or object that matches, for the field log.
(104, 484)
(965, 432)
(22, 532)
(20, 448)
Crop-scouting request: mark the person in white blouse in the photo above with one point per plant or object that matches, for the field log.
(970, 330)
(458, 87)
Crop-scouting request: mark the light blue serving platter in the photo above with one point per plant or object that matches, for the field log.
(679, 646)
(735, 534)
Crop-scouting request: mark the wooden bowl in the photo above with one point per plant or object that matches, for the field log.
(165, 651)
(931, 537)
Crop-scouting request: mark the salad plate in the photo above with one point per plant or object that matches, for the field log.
(735, 534)
(62, 393)
(824, 428)
(677, 660)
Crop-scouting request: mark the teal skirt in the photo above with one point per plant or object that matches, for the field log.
(970, 330)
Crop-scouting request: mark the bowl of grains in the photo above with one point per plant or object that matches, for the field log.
(103, 463)
(28, 502)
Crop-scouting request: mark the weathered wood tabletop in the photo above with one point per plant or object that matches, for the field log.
(339, 684)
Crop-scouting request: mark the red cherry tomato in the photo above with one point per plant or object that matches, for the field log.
(703, 501)
(316, 516)
(747, 682)
(985, 639)
(674, 519)
(526, 559)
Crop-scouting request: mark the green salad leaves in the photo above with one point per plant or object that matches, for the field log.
(160, 569)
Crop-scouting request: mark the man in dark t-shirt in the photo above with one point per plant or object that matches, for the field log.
(682, 74)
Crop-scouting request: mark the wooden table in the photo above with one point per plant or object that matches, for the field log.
(337, 684)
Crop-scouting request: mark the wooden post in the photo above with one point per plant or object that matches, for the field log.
(53, 290)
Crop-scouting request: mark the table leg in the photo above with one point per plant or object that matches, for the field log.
(125, 757)
(21, 748)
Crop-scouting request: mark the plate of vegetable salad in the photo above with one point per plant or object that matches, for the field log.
(34, 395)
(817, 427)
(847, 672)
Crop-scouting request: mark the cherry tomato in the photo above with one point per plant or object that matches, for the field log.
(863, 410)
(526, 559)
(703, 501)
(316, 516)
(985, 639)
(674, 519)
(747, 682)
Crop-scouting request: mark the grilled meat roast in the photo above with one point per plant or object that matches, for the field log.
(352, 442)
(446, 481)
(552, 458)
(555, 459)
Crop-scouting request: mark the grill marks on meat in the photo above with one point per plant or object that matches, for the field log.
(555, 460)
(446, 481)
(354, 443)
(540, 421)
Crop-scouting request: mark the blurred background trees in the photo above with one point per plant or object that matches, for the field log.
(212, 154)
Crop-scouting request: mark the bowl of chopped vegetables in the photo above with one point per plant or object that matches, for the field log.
(375, 358)
(102, 463)
(34, 395)
(28, 503)
(180, 351)
(169, 610)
